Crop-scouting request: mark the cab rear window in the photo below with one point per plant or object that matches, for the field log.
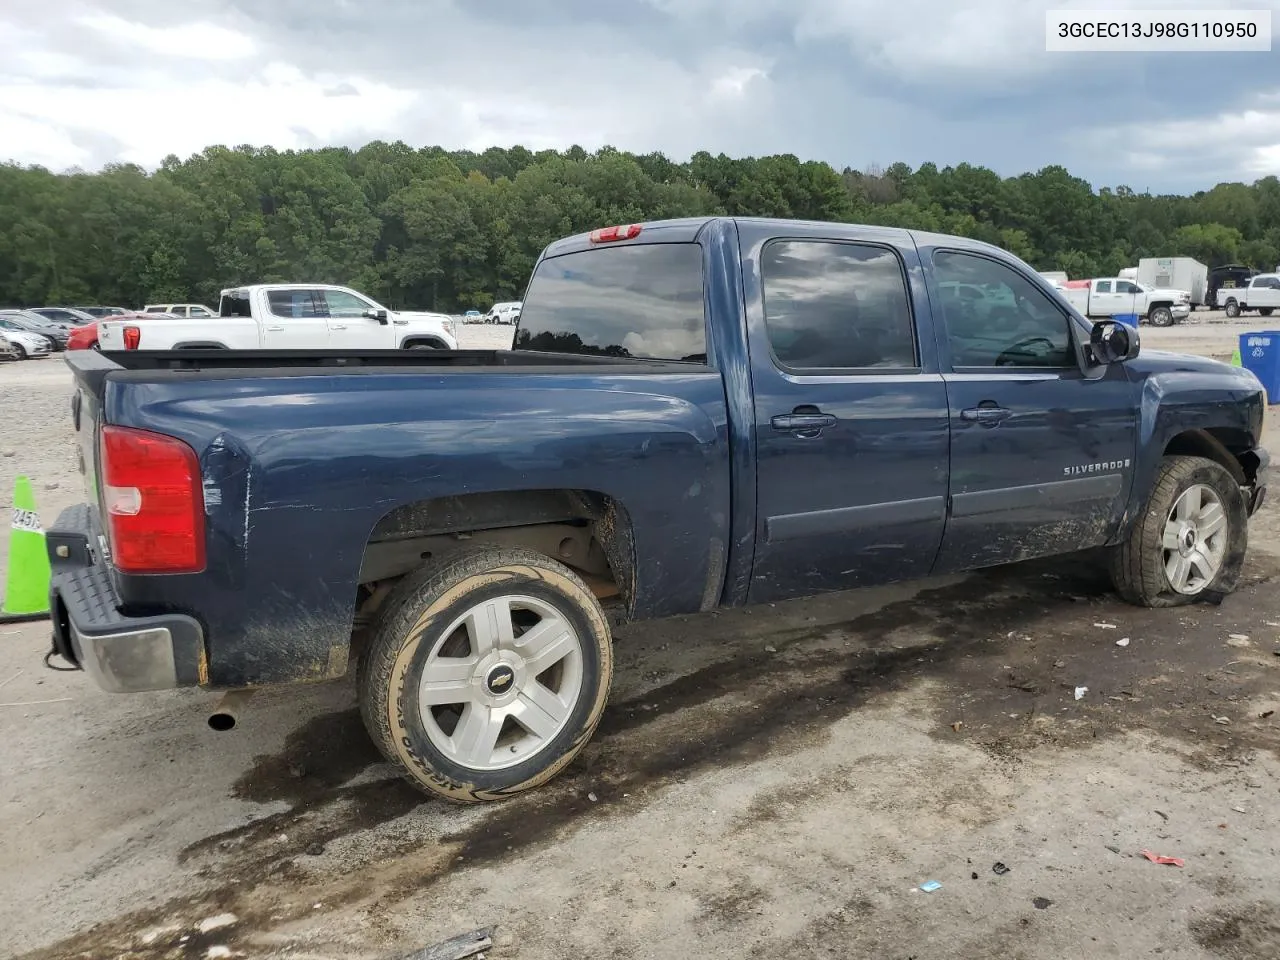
(640, 301)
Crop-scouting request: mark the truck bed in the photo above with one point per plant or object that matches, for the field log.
(310, 460)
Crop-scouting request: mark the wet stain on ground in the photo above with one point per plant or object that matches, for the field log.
(324, 753)
(1249, 932)
(1004, 651)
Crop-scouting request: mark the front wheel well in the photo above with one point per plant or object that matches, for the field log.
(588, 531)
(1226, 447)
(434, 343)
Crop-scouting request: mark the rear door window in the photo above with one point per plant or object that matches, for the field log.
(639, 301)
(300, 304)
(837, 306)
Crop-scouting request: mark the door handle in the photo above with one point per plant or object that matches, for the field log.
(987, 416)
(805, 425)
(338, 326)
(274, 329)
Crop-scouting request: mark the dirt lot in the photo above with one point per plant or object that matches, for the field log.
(772, 782)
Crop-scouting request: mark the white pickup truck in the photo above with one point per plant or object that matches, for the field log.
(1116, 296)
(286, 316)
(1262, 294)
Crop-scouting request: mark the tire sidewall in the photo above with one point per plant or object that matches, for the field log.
(1232, 309)
(436, 770)
(1215, 476)
(1162, 317)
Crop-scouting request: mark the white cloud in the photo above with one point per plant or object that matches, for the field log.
(190, 41)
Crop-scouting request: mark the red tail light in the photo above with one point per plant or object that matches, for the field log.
(610, 234)
(132, 337)
(154, 502)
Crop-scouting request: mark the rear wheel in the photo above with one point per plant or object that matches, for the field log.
(19, 352)
(1233, 309)
(1189, 543)
(488, 673)
(1265, 311)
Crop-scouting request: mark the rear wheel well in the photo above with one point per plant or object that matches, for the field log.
(587, 531)
(1226, 447)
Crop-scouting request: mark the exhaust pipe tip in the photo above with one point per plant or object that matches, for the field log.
(227, 712)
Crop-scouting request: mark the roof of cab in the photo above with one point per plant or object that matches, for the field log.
(686, 230)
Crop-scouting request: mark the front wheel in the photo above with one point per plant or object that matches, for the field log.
(1190, 541)
(1233, 309)
(488, 672)
(1160, 316)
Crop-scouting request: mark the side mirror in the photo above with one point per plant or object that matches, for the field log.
(379, 315)
(1113, 342)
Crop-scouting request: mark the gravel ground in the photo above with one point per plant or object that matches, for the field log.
(772, 782)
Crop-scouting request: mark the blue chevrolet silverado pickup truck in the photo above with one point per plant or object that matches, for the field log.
(695, 414)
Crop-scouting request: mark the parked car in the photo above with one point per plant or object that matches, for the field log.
(1113, 296)
(102, 311)
(288, 317)
(503, 313)
(699, 413)
(6, 349)
(473, 316)
(24, 343)
(64, 315)
(35, 323)
(84, 337)
(193, 310)
(13, 327)
(1261, 294)
(1176, 273)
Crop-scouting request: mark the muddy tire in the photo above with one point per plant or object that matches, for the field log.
(1189, 543)
(487, 673)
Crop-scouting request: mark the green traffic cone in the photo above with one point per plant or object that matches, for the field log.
(1235, 357)
(26, 590)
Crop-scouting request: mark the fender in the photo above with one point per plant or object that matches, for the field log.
(1178, 395)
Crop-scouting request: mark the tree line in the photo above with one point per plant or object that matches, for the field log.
(439, 230)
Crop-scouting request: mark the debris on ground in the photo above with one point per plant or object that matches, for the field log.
(1113, 849)
(1105, 626)
(592, 797)
(209, 924)
(1238, 639)
(1265, 713)
(1166, 861)
(1239, 809)
(770, 649)
(930, 885)
(1222, 720)
(457, 948)
(1162, 815)
(957, 725)
(1122, 642)
(974, 875)
(1042, 903)
(999, 869)
(1080, 692)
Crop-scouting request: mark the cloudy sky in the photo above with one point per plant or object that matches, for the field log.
(852, 82)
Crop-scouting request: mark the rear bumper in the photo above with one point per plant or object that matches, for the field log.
(122, 654)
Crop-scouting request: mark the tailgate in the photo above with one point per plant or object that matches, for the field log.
(90, 369)
(111, 334)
